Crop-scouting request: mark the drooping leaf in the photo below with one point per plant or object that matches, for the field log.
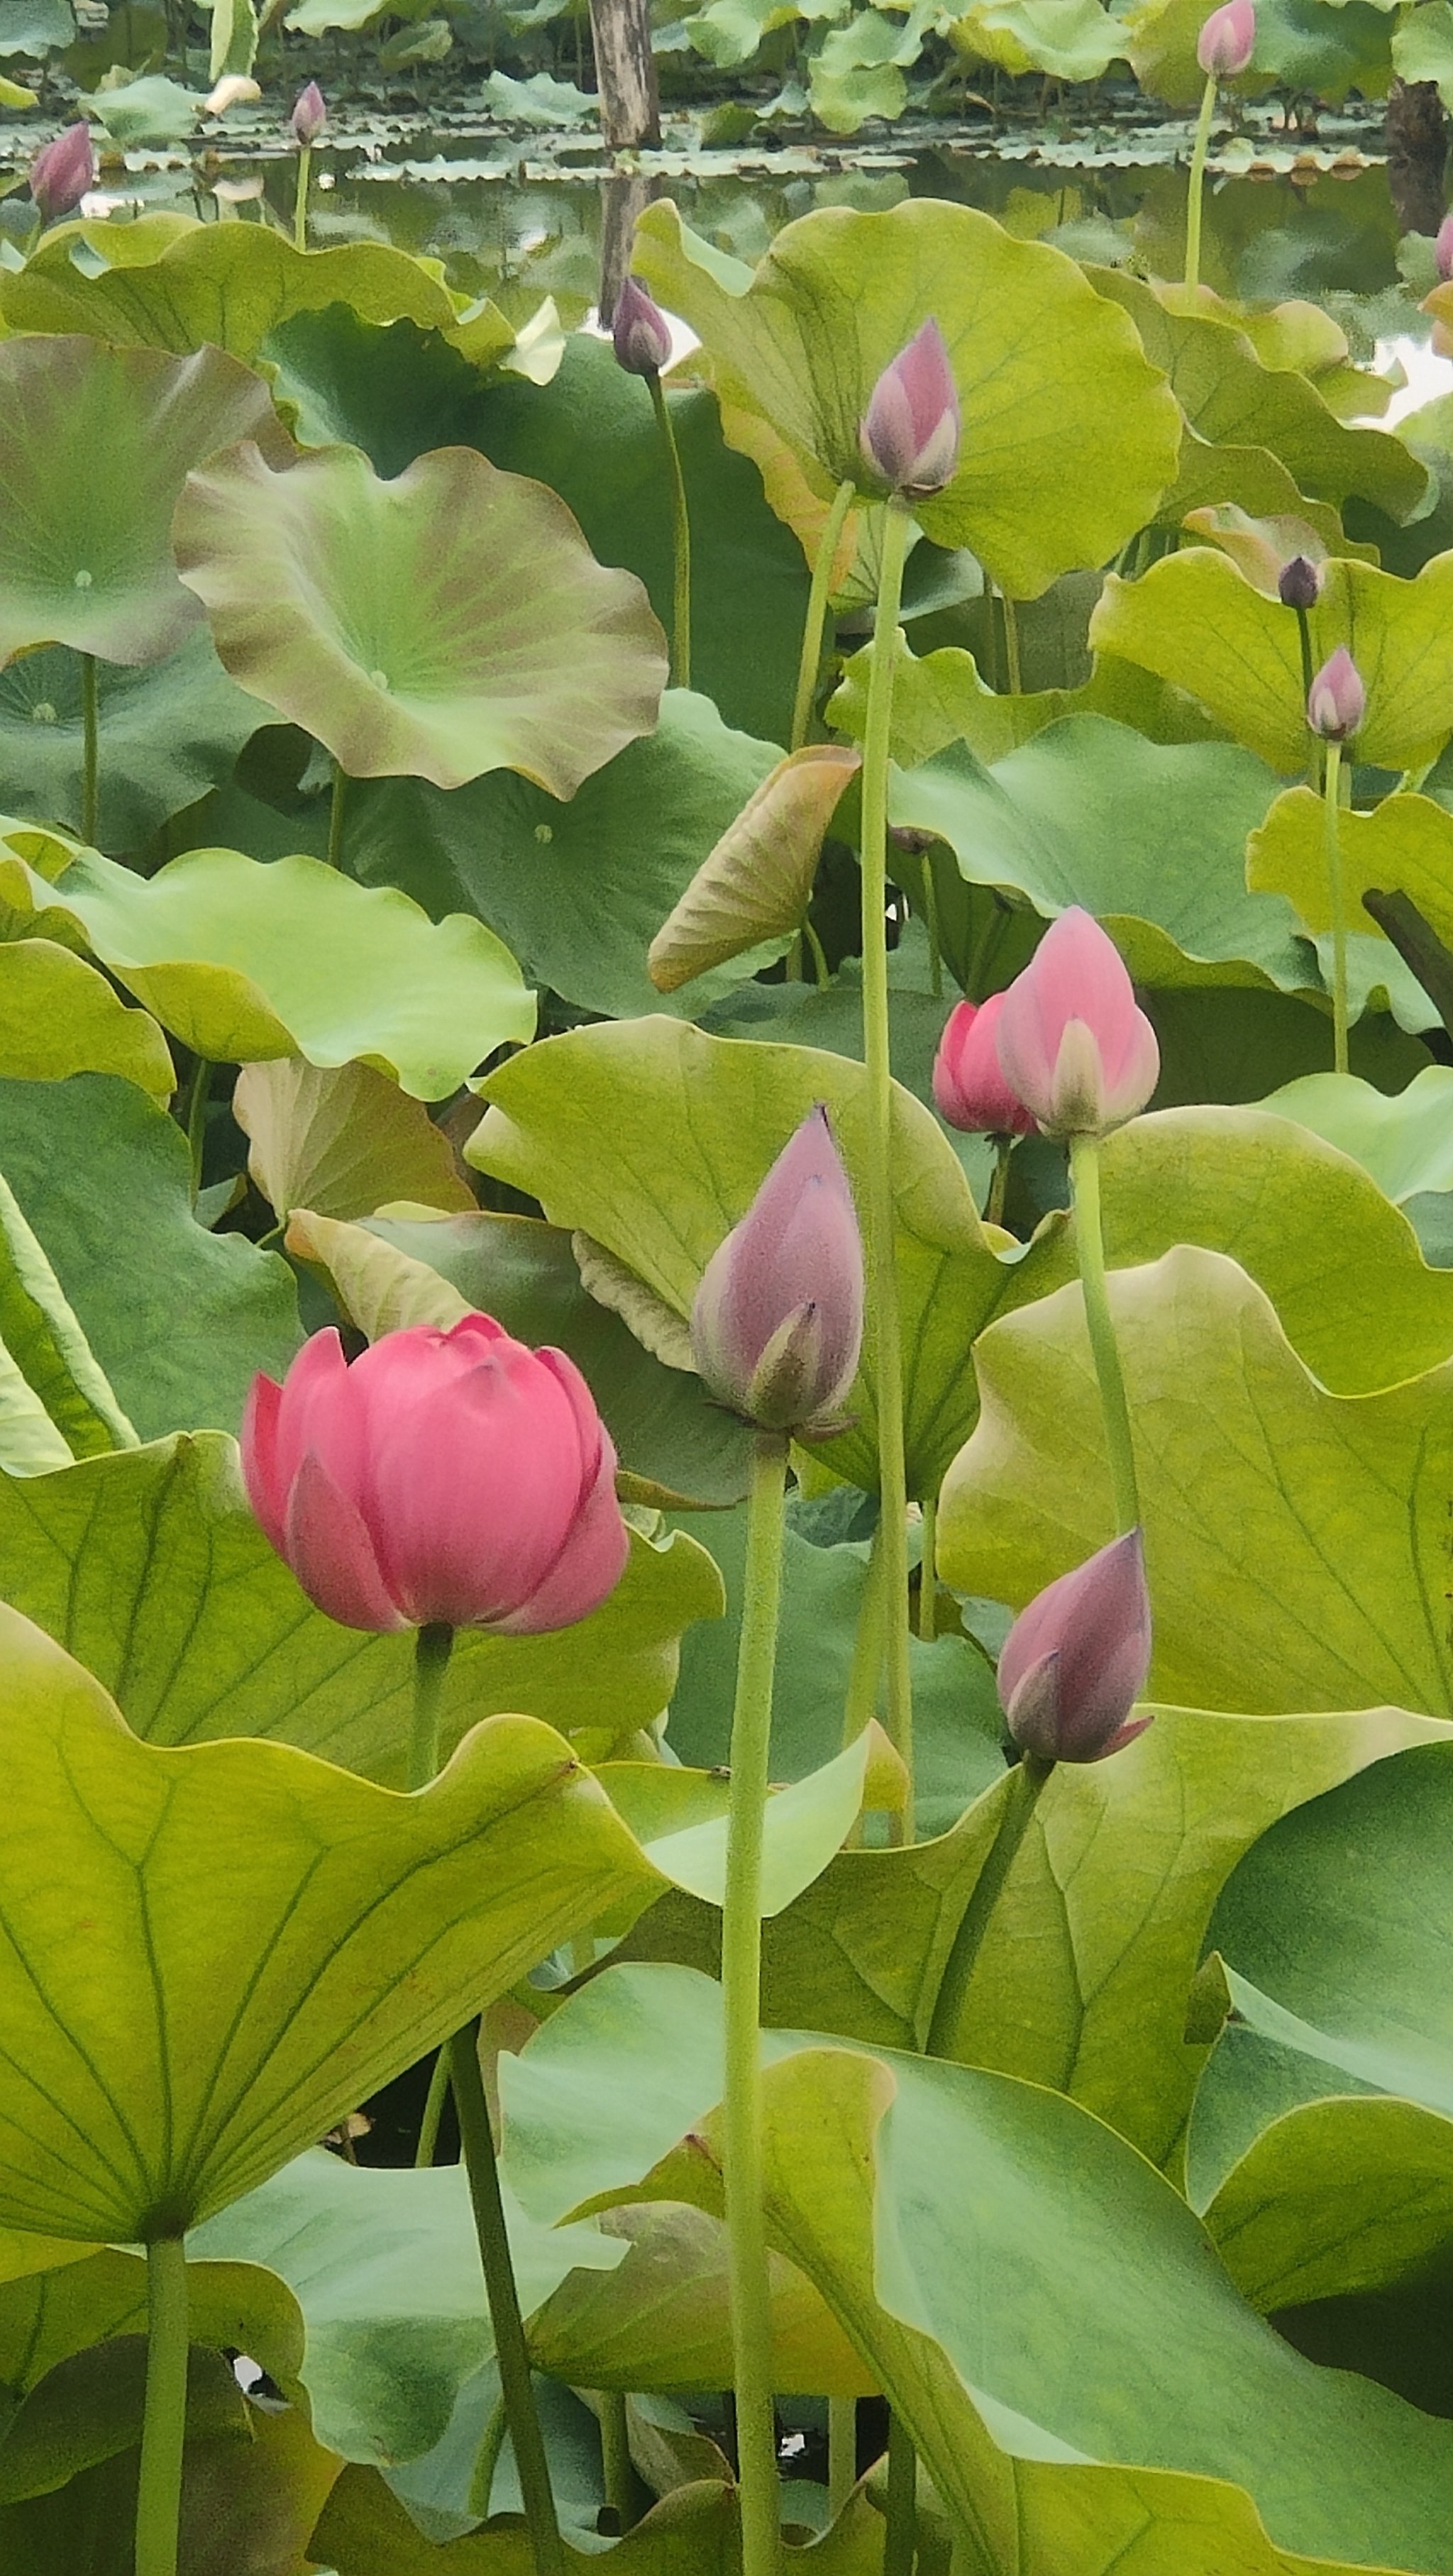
(152, 110)
(757, 882)
(342, 1141)
(679, 1818)
(1404, 846)
(58, 1016)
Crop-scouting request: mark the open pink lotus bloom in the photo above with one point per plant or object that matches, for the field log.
(969, 1088)
(1075, 1661)
(910, 434)
(455, 1477)
(310, 114)
(62, 172)
(1337, 700)
(640, 331)
(1073, 1043)
(1227, 41)
(777, 1325)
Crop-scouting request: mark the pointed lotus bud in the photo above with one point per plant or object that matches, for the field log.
(1443, 248)
(1074, 1662)
(1072, 1043)
(1337, 700)
(778, 1320)
(1299, 584)
(969, 1088)
(640, 331)
(310, 114)
(910, 436)
(62, 172)
(1227, 41)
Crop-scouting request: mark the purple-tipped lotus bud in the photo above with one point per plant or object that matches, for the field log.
(910, 435)
(1074, 1662)
(640, 331)
(1443, 248)
(310, 114)
(778, 1320)
(62, 172)
(1227, 41)
(1299, 584)
(1337, 700)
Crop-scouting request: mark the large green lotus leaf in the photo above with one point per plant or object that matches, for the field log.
(245, 959)
(169, 732)
(178, 1318)
(578, 891)
(446, 623)
(1219, 1046)
(1149, 836)
(695, 1123)
(1066, 2310)
(150, 111)
(341, 1141)
(1076, 43)
(1069, 436)
(158, 2067)
(1405, 1140)
(1404, 846)
(150, 1568)
(58, 1016)
(75, 569)
(1297, 41)
(90, 2408)
(1295, 1539)
(1197, 621)
(58, 1403)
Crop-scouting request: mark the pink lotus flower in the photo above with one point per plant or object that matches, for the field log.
(310, 114)
(62, 171)
(456, 1477)
(968, 1080)
(1443, 248)
(910, 435)
(640, 331)
(1337, 700)
(1227, 41)
(1071, 1041)
(1075, 1661)
(777, 1325)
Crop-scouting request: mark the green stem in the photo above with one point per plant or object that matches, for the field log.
(820, 967)
(999, 1185)
(1090, 1246)
(481, 2476)
(433, 1646)
(91, 752)
(930, 923)
(1011, 645)
(928, 1574)
(1198, 181)
(680, 541)
(1305, 632)
(197, 1117)
(164, 2423)
(511, 2352)
(1020, 1801)
(741, 1971)
(900, 2540)
(810, 662)
(434, 2101)
(867, 1665)
(842, 2452)
(615, 2455)
(335, 816)
(300, 201)
(1337, 901)
(883, 1266)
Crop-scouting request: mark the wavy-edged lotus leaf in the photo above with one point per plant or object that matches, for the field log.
(150, 1567)
(1403, 1139)
(1069, 434)
(696, 1123)
(1324, 52)
(757, 882)
(341, 1139)
(446, 623)
(90, 2407)
(1404, 846)
(1077, 43)
(171, 729)
(1196, 621)
(75, 569)
(246, 960)
(150, 111)
(679, 1818)
(48, 1361)
(1295, 1540)
(58, 1017)
(158, 2067)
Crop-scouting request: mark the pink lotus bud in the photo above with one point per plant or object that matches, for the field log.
(968, 1080)
(910, 436)
(1337, 700)
(1227, 41)
(1074, 1662)
(1299, 583)
(640, 331)
(1072, 1043)
(62, 171)
(455, 1477)
(310, 114)
(1443, 248)
(778, 1320)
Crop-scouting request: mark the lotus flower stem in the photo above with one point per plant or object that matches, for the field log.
(197, 1117)
(680, 540)
(817, 606)
(486, 2461)
(300, 201)
(335, 816)
(1090, 1243)
(1337, 902)
(931, 925)
(1020, 1798)
(1198, 181)
(842, 2452)
(999, 1185)
(164, 2423)
(900, 2539)
(91, 753)
(928, 1574)
(820, 966)
(741, 1970)
(882, 1262)
(433, 1646)
(434, 2101)
(867, 1665)
(1011, 645)
(615, 2456)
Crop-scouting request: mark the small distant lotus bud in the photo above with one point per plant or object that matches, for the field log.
(1072, 1042)
(1075, 1661)
(778, 1321)
(1227, 41)
(640, 331)
(310, 114)
(1337, 700)
(1443, 248)
(910, 435)
(969, 1088)
(1300, 584)
(62, 172)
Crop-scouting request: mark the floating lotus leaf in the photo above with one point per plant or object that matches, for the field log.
(757, 882)
(447, 623)
(74, 567)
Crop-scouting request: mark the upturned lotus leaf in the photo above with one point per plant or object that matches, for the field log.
(756, 884)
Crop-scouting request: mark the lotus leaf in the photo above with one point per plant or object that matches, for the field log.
(1405, 846)
(340, 1141)
(170, 730)
(58, 1016)
(1405, 1141)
